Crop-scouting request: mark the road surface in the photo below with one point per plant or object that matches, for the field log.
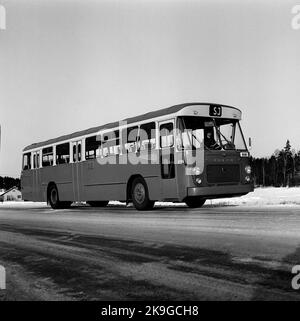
(117, 253)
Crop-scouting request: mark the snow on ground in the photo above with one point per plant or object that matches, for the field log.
(22, 204)
(260, 197)
(264, 196)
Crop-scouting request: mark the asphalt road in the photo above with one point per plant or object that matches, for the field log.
(117, 253)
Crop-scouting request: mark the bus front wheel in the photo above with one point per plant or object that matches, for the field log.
(140, 195)
(194, 202)
(54, 201)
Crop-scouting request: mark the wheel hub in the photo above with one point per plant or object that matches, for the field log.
(139, 193)
(53, 196)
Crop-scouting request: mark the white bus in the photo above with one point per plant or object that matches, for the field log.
(185, 153)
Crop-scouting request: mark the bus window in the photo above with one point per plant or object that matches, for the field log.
(74, 153)
(27, 161)
(111, 143)
(79, 151)
(147, 136)
(63, 154)
(131, 139)
(34, 161)
(230, 134)
(47, 157)
(92, 146)
(239, 141)
(166, 135)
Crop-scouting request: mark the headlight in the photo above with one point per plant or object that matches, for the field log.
(248, 169)
(198, 180)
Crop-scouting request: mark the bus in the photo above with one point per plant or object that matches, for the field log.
(185, 153)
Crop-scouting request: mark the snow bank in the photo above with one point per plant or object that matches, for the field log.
(264, 196)
(22, 204)
(260, 197)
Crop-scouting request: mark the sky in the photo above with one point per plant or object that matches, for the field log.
(70, 65)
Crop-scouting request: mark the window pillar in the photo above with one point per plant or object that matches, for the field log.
(31, 160)
(54, 155)
(41, 158)
(71, 152)
(83, 149)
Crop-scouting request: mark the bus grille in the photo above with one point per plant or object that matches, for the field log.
(223, 173)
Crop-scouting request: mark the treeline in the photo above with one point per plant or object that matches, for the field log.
(9, 182)
(281, 169)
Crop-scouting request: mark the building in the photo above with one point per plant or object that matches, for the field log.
(12, 194)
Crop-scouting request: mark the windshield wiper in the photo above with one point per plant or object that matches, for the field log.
(220, 134)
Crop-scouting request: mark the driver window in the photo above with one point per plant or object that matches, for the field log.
(211, 139)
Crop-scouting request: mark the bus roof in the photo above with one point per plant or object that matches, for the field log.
(149, 115)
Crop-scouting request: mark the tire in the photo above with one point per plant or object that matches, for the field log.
(97, 203)
(54, 201)
(140, 195)
(194, 202)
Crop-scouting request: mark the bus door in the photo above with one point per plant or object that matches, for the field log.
(76, 170)
(36, 176)
(167, 165)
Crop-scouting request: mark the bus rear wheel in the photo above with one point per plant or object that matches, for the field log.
(54, 201)
(97, 203)
(194, 202)
(140, 195)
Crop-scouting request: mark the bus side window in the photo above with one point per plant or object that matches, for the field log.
(63, 154)
(37, 165)
(74, 154)
(147, 136)
(47, 156)
(79, 152)
(34, 160)
(166, 135)
(115, 143)
(111, 143)
(131, 139)
(26, 161)
(92, 147)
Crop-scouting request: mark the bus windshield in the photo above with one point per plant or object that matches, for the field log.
(210, 133)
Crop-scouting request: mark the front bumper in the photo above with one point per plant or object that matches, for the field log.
(220, 191)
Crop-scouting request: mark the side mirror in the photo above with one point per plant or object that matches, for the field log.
(250, 143)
